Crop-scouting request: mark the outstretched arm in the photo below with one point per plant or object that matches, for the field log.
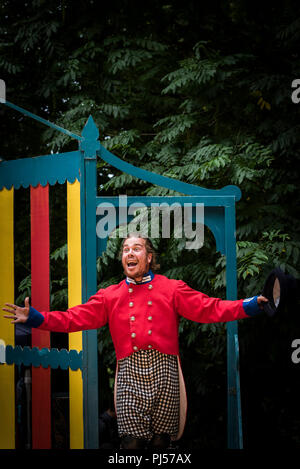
(199, 307)
(90, 315)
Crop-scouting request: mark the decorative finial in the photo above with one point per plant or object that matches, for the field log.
(90, 143)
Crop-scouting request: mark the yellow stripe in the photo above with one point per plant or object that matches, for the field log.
(7, 372)
(74, 294)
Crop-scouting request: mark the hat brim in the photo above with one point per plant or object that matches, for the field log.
(277, 289)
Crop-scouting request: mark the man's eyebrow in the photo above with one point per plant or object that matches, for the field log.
(135, 244)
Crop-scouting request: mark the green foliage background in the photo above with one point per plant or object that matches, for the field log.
(200, 92)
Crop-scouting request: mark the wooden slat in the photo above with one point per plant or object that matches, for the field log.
(40, 298)
(7, 335)
(75, 298)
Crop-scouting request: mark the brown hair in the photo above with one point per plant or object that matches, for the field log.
(154, 266)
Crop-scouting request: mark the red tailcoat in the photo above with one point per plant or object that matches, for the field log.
(144, 316)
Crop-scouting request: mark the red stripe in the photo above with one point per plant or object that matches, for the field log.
(40, 299)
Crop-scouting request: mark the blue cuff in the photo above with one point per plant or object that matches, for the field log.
(35, 318)
(251, 307)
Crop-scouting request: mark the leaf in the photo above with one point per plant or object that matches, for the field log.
(60, 253)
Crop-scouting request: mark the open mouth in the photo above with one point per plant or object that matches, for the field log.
(131, 264)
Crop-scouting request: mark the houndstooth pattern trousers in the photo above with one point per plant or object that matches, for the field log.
(148, 399)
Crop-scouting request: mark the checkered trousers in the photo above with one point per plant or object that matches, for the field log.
(148, 394)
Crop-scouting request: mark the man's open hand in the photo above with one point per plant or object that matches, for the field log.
(17, 313)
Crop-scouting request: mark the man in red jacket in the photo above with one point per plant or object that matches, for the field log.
(143, 312)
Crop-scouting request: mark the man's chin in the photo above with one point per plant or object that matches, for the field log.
(131, 273)
(137, 276)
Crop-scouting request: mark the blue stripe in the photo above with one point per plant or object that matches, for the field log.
(251, 306)
(35, 318)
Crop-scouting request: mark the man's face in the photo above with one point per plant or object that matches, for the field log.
(135, 259)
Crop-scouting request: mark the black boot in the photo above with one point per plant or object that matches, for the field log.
(162, 440)
(129, 442)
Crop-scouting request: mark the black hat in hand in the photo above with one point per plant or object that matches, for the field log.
(280, 289)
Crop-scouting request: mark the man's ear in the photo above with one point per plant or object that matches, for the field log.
(149, 257)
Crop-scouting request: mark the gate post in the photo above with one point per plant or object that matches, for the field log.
(88, 187)
(234, 419)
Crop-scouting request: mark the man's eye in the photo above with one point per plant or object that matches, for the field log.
(135, 249)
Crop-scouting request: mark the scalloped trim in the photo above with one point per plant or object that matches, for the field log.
(43, 170)
(45, 357)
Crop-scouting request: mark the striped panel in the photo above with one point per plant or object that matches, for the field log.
(7, 333)
(40, 298)
(75, 298)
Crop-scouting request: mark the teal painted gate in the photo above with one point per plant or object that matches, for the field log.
(219, 217)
